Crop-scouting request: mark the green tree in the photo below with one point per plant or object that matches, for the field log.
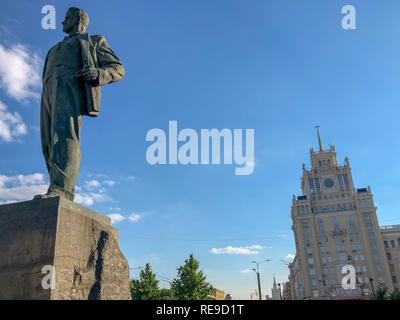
(190, 284)
(395, 295)
(380, 294)
(146, 288)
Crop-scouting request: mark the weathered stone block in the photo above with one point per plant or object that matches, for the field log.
(78, 242)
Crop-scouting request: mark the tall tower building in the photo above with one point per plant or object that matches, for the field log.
(335, 225)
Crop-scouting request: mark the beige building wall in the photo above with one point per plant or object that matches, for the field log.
(335, 225)
(217, 294)
(391, 243)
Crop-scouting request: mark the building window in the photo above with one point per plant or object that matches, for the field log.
(340, 180)
(354, 247)
(367, 216)
(346, 181)
(369, 225)
(358, 269)
(352, 236)
(304, 222)
(376, 256)
(311, 181)
(323, 260)
(386, 244)
(391, 267)
(307, 240)
(393, 243)
(310, 261)
(336, 227)
(352, 219)
(389, 255)
(364, 268)
(373, 244)
(371, 235)
(312, 271)
(398, 241)
(325, 271)
(321, 229)
(317, 185)
(329, 259)
(328, 249)
(322, 249)
(356, 257)
(313, 282)
(357, 236)
(306, 230)
(342, 257)
(352, 226)
(320, 221)
(394, 279)
(378, 267)
(361, 257)
(309, 250)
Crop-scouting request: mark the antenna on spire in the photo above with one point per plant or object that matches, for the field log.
(319, 140)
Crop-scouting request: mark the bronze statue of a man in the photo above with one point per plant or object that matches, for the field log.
(73, 72)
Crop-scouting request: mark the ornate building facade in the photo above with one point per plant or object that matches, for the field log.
(334, 225)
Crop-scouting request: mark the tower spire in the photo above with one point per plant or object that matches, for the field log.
(319, 140)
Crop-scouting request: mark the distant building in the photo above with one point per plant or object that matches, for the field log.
(391, 242)
(286, 292)
(276, 291)
(228, 296)
(335, 225)
(217, 294)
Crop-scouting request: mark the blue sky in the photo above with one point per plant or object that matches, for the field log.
(278, 67)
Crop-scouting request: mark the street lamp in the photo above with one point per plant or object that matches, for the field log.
(372, 286)
(258, 276)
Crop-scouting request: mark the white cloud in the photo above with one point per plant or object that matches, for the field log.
(11, 124)
(237, 250)
(290, 256)
(92, 184)
(245, 271)
(116, 217)
(131, 178)
(134, 217)
(20, 72)
(21, 187)
(110, 183)
(89, 198)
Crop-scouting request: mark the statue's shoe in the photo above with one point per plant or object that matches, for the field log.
(48, 195)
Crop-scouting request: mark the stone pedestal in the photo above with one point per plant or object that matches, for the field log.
(79, 243)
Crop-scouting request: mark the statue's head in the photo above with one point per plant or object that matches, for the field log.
(76, 21)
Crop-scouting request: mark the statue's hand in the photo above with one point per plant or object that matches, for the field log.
(90, 74)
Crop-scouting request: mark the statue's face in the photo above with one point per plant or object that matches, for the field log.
(69, 22)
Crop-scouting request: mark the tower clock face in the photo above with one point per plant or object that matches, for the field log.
(328, 182)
